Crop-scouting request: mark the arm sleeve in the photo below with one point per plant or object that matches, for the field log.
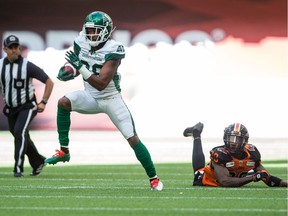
(36, 72)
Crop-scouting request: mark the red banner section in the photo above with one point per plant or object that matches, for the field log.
(54, 23)
(243, 37)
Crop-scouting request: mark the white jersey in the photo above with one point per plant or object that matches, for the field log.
(94, 61)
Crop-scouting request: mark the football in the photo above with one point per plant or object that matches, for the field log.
(70, 69)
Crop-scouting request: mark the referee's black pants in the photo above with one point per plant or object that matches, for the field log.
(19, 127)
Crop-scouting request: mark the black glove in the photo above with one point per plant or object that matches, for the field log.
(262, 175)
(273, 181)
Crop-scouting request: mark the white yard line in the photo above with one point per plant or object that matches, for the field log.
(130, 209)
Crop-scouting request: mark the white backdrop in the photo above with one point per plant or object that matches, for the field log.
(170, 87)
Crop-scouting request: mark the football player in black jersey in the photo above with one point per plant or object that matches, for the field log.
(233, 164)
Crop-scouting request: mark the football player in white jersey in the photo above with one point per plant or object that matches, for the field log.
(97, 57)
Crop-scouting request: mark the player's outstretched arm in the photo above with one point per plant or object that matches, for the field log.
(270, 180)
(283, 184)
(225, 180)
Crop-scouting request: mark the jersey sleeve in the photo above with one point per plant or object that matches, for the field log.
(254, 154)
(36, 72)
(79, 42)
(219, 155)
(76, 48)
(116, 51)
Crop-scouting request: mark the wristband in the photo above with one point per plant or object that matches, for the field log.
(44, 101)
(85, 72)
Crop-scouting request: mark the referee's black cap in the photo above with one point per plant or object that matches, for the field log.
(10, 40)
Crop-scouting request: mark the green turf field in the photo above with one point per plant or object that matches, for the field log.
(124, 190)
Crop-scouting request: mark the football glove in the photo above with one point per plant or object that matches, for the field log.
(273, 181)
(262, 175)
(73, 59)
(63, 76)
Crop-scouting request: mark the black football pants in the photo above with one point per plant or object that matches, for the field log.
(19, 127)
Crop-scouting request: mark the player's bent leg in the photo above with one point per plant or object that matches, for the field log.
(144, 157)
(198, 158)
(63, 127)
(64, 122)
(122, 119)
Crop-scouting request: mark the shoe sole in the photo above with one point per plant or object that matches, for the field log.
(39, 172)
(199, 127)
(53, 163)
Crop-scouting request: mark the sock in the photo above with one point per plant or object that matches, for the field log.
(151, 179)
(63, 127)
(144, 157)
(198, 158)
(65, 149)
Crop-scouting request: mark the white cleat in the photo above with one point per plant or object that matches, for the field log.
(156, 185)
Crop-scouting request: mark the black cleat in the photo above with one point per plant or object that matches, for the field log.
(194, 131)
(38, 170)
(18, 174)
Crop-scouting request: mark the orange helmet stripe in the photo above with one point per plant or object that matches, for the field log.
(237, 127)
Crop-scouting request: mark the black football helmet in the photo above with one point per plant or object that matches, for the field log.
(235, 137)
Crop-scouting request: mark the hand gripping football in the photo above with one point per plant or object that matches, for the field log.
(71, 70)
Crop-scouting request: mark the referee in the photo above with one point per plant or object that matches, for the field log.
(16, 75)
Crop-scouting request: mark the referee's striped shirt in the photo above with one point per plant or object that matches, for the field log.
(16, 81)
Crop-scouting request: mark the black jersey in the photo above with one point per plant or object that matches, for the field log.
(250, 160)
